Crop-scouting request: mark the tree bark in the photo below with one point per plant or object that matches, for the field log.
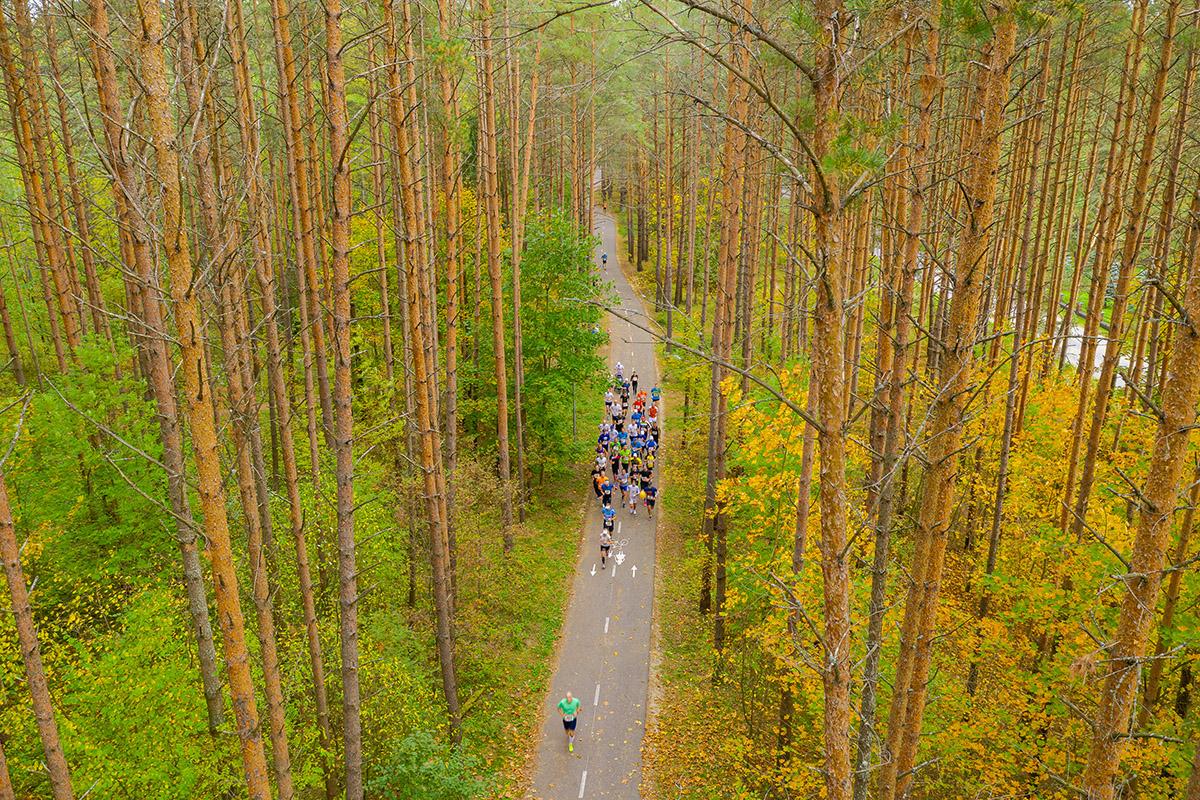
(491, 193)
(139, 258)
(892, 378)
(1134, 230)
(343, 432)
(200, 405)
(981, 150)
(1158, 497)
(31, 656)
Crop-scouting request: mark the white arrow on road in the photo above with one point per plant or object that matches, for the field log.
(593, 569)
(634, 569)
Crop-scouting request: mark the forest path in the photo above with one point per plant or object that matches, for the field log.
(604, 648)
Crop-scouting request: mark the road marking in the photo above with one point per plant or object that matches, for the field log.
(582, 783)
(593, 569)
(606, 624)
(618, 527)
(596, 699)
(614, 572)
(635, 570)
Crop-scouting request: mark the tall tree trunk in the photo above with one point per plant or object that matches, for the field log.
(200, 406)
(45, 165)
(300, 193)
(44, 229)
(981, 150)
(234, 348)
(339, 152)
(31, 655)
(489, 136)
(925, 94)
(83, 228)
(1134, 230)
(451, 194)
(426, 414)
(265, 275)
(829, 379)
(302, 145)
(516, 223)
(139, 264)
(732, 167)
(1108, 218)
(1158, 497)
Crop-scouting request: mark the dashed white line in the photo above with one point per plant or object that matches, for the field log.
(596, 699)
(582, 783)
(606, 624)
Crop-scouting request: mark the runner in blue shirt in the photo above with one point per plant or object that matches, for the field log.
(609, 515)
(651, 495)
(655, 394)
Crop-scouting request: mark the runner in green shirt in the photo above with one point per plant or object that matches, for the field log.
(569, 707)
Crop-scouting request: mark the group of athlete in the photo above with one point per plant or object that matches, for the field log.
(626, 448)
(625, 451)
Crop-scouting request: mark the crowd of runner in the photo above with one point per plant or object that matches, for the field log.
(625, 451)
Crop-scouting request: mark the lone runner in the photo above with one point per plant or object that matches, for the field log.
(569, 707)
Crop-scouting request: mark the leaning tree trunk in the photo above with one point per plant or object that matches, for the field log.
(200, 405)
(1134, 229)
(1157, 500)
(139, 258)
(31, 655)
(264, 268)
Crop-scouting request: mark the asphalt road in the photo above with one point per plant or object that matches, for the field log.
(604, 648)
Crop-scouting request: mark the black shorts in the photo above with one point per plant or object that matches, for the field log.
(607, 498)
(650, 501)
(569, 725)
(606, 547)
